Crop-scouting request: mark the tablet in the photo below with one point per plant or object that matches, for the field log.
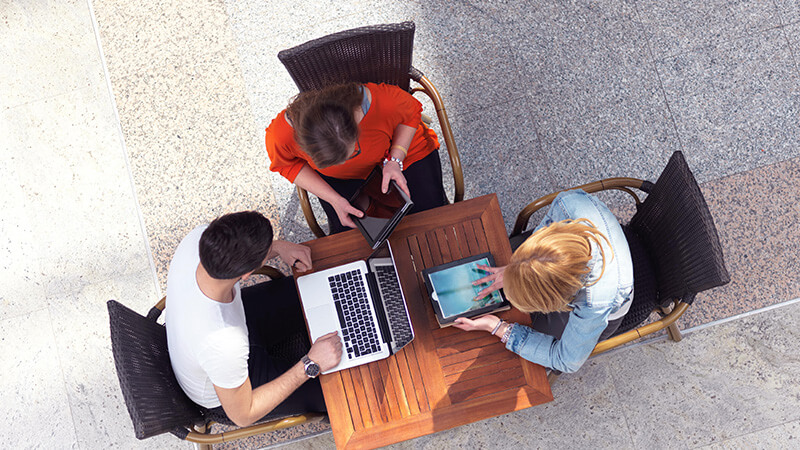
(452, 294)
(382, 212)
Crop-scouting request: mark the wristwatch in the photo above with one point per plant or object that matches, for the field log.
(311, 368)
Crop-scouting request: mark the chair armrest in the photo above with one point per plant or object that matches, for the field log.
(305, 204)
(444, 123)
(620, 183)
(252, 430)
(269, 271)
(636, 333)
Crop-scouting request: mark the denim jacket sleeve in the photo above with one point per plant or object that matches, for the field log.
(584, 327)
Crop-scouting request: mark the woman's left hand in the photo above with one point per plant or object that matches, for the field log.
(391, 171)
(483, 323)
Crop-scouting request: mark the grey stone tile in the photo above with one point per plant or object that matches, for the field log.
(47, 49)
(716, 384)
(734, 104)
(675, 26)
(789, 10)
(160, 35)
(595, 98)
(500, 154)
(32, 391)
(783, 436)
(79, 223)
(84, 347)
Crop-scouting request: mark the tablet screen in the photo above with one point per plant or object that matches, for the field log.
(381, 211)
(454, 290)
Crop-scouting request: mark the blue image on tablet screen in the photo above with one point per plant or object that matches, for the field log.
(455, 291)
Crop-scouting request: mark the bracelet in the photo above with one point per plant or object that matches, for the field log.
(507, 333)
(398, 161)
(402, 149)
(497, 327)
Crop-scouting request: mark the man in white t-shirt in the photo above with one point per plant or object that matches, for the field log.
(220, 335)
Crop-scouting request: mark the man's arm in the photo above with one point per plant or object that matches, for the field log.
(245, 405)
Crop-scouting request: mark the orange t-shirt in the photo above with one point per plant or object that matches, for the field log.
(390, 107)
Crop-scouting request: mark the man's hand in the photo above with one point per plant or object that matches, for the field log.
(391, 171)
(327, 351)
(483, 323)
(495, 277)
(296, 255)
(343, 210)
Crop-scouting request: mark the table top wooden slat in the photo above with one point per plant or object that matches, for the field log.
(446, 377)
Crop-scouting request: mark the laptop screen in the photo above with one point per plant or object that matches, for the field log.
(382, 212)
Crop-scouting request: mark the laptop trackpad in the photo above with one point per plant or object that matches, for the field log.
(322, 320)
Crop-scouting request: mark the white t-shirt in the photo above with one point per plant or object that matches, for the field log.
(208, 341)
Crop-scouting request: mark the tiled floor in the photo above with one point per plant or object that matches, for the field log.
(125, 124)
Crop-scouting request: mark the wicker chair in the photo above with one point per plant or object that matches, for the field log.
(155, 400)
(674, 246)
(379, 54)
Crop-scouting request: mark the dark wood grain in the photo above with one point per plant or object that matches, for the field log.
(446, 377)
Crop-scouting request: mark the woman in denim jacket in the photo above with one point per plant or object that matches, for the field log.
(574, 274)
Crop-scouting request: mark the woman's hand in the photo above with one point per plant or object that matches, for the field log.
(495, 277)
(296, 255)
(343, 210)
(484, 323)
(391, 171)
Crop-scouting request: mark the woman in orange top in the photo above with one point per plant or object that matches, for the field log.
(328, 141)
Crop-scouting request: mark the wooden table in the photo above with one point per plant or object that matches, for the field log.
(446, 377)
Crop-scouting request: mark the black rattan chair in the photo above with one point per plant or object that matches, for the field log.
(155, 401)
(379, 54)
(674, 246)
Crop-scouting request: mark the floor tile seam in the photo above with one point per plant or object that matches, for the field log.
(63, 376)
(124, 150)
(747, 171)
(19, 316)
(716, 44)
(704, 326)
(791, 50)
(739, 436)
(654, 67)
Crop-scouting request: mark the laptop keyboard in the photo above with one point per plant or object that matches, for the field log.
(352, 305)
(393, 303)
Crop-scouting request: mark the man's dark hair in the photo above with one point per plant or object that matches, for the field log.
(235, 244)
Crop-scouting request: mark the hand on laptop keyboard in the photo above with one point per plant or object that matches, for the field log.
(327, 351)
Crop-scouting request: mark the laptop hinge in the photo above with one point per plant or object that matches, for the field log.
(377, 302)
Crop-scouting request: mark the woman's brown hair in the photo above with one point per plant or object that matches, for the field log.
(323, 122)
(551, 266)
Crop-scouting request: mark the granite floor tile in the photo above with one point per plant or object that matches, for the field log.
(38, 413)
(161, 35)
(756, 214)
(84, 347)
(789, 11)
(595, 99)
(783, 436)
(57, 41)
(716, 384)
(673, 26)
(500, 154)
(191, 170)
(792, 33)
(82, 214)
(734, 104)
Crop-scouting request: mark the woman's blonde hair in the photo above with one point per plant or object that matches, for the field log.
(551, 266)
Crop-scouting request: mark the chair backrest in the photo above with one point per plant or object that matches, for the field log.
(155, 400)
(378, 54)
(678, 233)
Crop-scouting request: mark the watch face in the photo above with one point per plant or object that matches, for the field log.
(312, 370)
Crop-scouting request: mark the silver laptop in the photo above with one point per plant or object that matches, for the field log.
(363, 301)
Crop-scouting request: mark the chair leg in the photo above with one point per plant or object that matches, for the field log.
(673, 331)
(552, 376)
